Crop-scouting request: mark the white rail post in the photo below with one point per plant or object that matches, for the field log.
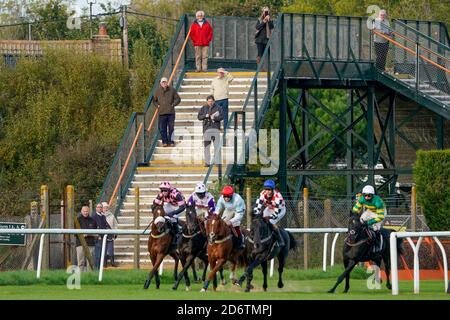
(102, 258)
(39, 265)
(161, 268)
(444, 258)
(394, 267)
(333, 247)
(272, 263)
(325, 250)
(416, 262)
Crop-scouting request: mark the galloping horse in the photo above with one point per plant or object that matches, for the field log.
(220, 249)
(358, 248)
(261, 247)
(159, 245)
(193, 245)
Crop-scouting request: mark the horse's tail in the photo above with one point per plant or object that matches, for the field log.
(292, 241)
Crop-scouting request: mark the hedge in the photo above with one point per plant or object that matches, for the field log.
(432, 178)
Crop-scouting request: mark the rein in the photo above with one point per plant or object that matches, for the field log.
(223, 240)
(189, 236)
(262, 241)
(159, 235)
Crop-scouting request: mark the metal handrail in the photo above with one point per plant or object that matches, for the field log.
(171, 76)
(126, 164)
(428, 38)
(412, 51)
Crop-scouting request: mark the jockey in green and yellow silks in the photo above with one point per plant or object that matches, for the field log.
(374, 209)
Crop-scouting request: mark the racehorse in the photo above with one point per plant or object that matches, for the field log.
(221, 249)
(160, 244)
(358, 248)
(193, 245)
(261, 247)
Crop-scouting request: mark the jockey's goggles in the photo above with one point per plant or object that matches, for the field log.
(201, 194)
(164, 190)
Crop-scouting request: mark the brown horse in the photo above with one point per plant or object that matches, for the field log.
(160, 244)
(220, 249)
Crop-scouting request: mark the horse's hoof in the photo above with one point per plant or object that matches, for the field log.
(146, 284)
(389, 286)
(265, 289)
(280, 285)
(203, 290)
(174, 288)
(252, 287)
(247, 289)
(224, 282)
(188, 288)
(330, 291)
(345, 291)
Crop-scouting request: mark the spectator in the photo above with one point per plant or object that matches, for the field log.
(263, 32)
(201, 35)
(211, 115)
(112, 224)
(381, 25)
(100, 219)
(220, 90)
(86, 222)
(165, 99)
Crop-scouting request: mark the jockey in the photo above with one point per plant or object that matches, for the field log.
(372, 208)
(203, 201)
(275, 207)
(233, 207)
(173, 202)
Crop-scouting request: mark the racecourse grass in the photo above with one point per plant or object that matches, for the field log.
(133, 277)
(128, 284)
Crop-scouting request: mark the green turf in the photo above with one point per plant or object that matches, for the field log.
(123, 284)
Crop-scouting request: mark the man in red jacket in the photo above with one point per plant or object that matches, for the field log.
(201, 35)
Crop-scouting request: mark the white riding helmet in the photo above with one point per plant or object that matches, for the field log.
(200, 188)
(368, 190)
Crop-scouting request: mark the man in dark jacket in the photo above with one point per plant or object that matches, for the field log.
(86, 222)
(100, 219)
(263, 32)
(165, 99)
(211, 115)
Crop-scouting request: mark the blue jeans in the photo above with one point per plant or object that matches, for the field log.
(224, 105)
(97, 253)
(166, 122)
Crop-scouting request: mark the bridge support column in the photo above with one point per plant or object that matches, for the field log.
(370, 134)
(283, 143)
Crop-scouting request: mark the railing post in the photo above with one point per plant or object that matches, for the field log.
(136, 226)
(370, 44)
(45, 215)
(325, 251)
(394, 268)
(413, 209)
(69, 224)
(249, 207)
(417, 66)
(255, 90)
(305, 225)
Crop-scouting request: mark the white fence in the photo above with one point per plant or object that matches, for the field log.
(415, 248)
(43, 232)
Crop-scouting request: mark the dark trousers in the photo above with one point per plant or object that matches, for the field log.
(109, 251)
(97, 253)
(224, 104)
(381, 50)
(261, 47)
(166, 125)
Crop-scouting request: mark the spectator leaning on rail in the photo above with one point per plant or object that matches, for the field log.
(372, 210)
(86, 222)
(220, 87)
(264, 28)
(211, 115)
(165, 99)
(100, 219)
(201, 35)
(381, 25)
(112, 223)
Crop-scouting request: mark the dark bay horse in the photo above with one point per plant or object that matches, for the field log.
(220, 249)
(261, 247)
(192, 245)
(159, 245)
(358, 248)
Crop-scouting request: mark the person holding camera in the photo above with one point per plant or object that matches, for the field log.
(211, 114)
(264, 28)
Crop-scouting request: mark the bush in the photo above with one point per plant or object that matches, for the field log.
(432, 177)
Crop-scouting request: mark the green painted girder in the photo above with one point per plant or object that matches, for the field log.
(422, 99)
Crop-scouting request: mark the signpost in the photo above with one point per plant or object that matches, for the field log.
(12, 239)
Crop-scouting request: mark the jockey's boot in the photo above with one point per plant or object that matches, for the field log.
(376, 241)
(278, 235)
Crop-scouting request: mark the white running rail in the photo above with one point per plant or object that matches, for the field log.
(415, 248)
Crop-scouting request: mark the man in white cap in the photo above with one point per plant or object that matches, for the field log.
(220, 87)
(112, 222)
(165, 99)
